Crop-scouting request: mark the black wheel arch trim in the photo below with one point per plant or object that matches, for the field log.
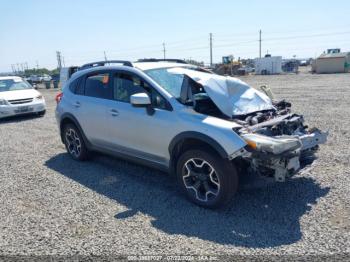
(76, 123)
(193, 135)
(199, 136)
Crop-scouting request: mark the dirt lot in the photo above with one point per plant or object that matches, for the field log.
(51, 204)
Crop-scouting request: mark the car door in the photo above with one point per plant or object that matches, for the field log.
(139, 131)
(90, 103)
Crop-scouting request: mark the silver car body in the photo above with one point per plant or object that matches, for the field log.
(122, 129)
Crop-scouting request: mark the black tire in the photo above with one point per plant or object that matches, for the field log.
(215, 190)
(74, 143)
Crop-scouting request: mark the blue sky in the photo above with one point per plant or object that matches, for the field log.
(32, 30)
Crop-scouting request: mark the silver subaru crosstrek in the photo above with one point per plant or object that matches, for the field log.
(206, 129)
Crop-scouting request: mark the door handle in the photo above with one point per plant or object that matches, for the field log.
(114, 112)
(77, 104)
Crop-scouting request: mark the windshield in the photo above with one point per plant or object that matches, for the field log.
(169, 80)
(13, 84)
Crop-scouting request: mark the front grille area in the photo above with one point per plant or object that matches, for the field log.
(20, 101)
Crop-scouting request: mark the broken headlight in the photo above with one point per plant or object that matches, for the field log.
(272, 145)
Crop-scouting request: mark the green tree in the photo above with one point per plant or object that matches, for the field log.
(40, 71)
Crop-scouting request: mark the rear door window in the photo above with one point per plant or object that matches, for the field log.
(98, 85)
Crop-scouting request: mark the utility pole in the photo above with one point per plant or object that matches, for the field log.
(64, 64)
(211, 49)
(104, 52)
(59, 60)
(164, 51)
(37, 64)
(260, 43)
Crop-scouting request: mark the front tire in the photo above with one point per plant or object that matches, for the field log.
(74, 143)
(207, 179)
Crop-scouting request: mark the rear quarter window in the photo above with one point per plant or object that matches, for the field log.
(76, 86)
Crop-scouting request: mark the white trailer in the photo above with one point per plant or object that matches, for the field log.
(268, 65)
(66, 73)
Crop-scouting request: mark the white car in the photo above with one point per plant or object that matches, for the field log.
(35, 79)
(46, 78)
(18, 97)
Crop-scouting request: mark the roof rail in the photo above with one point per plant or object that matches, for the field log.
(103, 63)
(180, 61)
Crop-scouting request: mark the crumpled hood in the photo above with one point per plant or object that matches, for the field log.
(232, 96)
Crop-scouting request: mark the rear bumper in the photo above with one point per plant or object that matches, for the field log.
(27, 108)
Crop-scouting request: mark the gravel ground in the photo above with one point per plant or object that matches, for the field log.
(52, 205)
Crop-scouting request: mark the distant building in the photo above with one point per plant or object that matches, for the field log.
(332, 62)
(268, 65)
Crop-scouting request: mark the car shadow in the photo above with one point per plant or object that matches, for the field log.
(259, 218)
(18, 118)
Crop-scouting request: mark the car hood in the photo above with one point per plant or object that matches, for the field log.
(19, 94)
(232, 96)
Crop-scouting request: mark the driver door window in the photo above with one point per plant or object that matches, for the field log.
(126, 85)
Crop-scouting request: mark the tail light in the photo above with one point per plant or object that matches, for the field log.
(59, 97)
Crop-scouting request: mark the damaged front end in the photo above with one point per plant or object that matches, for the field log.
(278, 142)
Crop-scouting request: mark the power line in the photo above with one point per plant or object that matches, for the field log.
(176, 43)
(219, 37)
(305, 36)
(136, 51)
(139, 49)
(281, 38)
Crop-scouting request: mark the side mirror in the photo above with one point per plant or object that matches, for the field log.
(140, 100)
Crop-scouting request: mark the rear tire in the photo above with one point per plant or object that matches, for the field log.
(74, 143)
(207, 179)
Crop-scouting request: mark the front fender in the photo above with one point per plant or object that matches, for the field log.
(199, 136)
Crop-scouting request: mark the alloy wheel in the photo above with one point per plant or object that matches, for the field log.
(73, 142)
(201, 178)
